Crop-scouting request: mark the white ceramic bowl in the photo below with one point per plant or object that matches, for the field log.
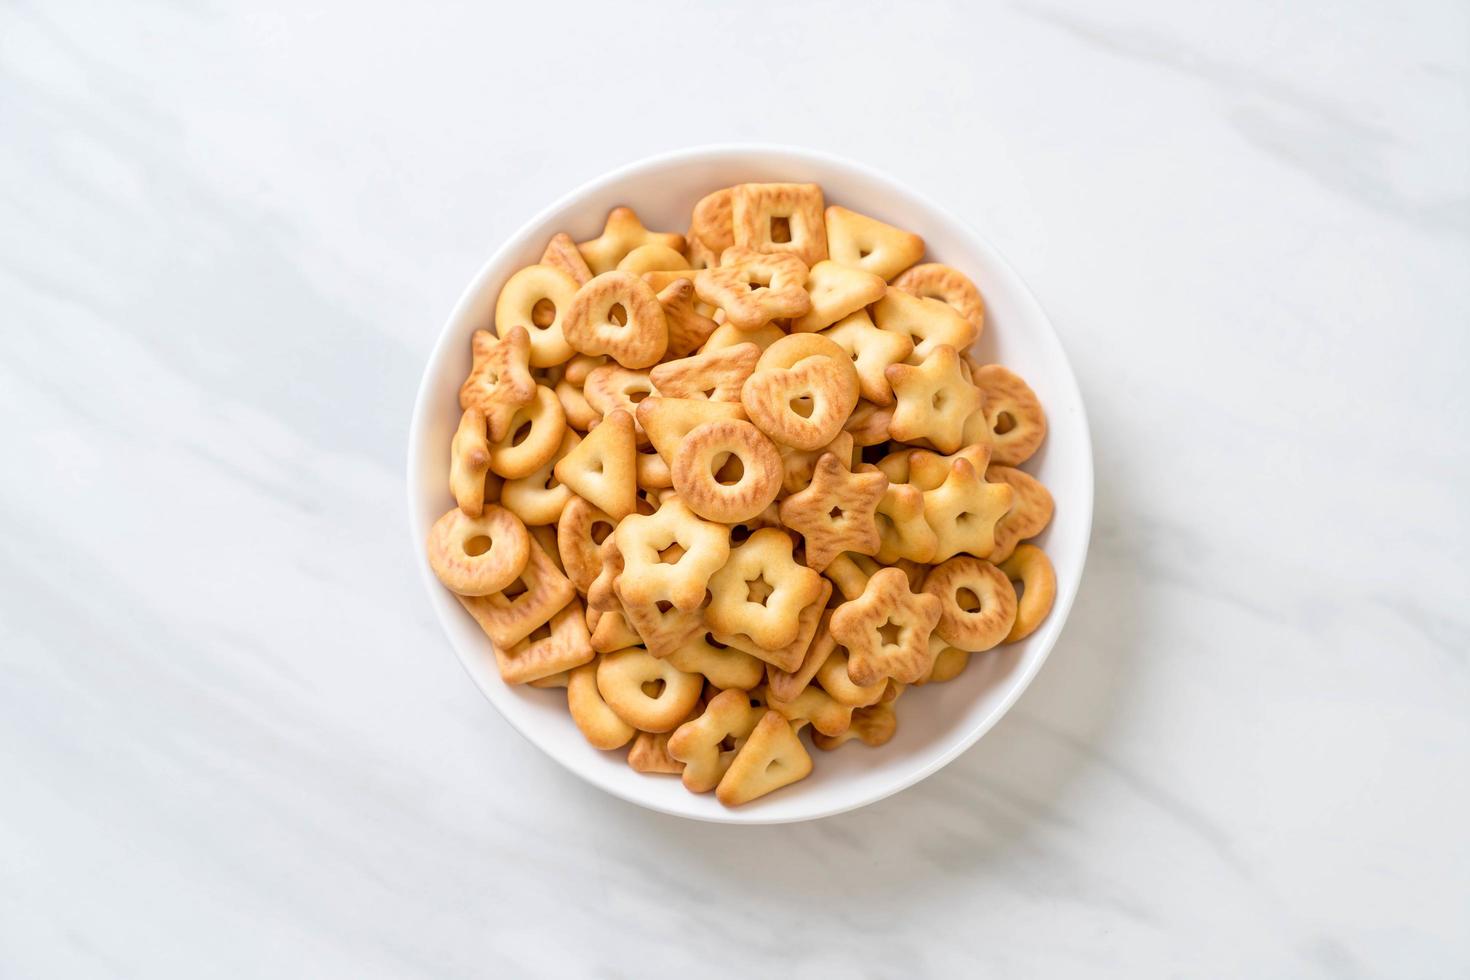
(936, 722)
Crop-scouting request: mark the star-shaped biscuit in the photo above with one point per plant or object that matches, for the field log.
(872, 350)
(963, 510)
(622, 233)
(886, 630)
(934, 400)
(835, 513)
(500, 378)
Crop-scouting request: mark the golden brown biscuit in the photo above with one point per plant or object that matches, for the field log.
(688, 327)
(614, 386)
(710, 224)
(580, 529)
(754, 288)
(724, 667)
(653, 258)
(580, 415)
(804, 406)
(927, 322)
(667, 421)
(872, 351)
(761, 591)
(622, 233)
(1029, 567)
(838, 683)
(964, 510)
(977, 603)
(868, 423)
(780, 218)
(618, 314)
(903, 531)
(469, 462)
(873, 726)
(532, 436)
(597, 722)
(700, 475)
(500, 380)
(478, 555)
(538, 593)
(561, 253)
(555, 648)
(791, 656)
(648, 693)
(1029, 512)
(610, 630)
(813, 706)
(536, 299)
(836, 290)
(602, 469)
(934, 400)
(707, 745)
(771, 757)
(718, 374)
(886, 630)
(663, 627)
(935, 281)
(866, 243)
(538, 498)
(836, 512)
(648, 576)
(1013, 415)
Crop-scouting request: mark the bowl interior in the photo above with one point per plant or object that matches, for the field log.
(1017, 334)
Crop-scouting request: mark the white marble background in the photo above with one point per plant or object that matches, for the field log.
(232, 740)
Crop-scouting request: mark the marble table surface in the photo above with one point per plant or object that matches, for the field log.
(233, 741)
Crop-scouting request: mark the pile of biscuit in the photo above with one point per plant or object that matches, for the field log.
(727, 485)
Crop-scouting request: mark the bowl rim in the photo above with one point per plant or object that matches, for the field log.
(1059, 613)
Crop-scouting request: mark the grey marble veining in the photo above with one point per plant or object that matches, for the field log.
(233, 741)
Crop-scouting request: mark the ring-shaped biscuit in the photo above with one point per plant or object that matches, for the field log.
(477, 556)
(977, 602)
(580, 531)
(706, 451)
(532, 437)
(621, 680)
(1029, 566)
(523, 302)
(592, 324)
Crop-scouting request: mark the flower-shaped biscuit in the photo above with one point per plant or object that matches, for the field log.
(886, 630)
(762, 590)
(648, 577)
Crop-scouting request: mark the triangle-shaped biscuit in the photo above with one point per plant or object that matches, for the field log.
(603, 467)
(771, 757)
(866, 243)
(837, 290)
